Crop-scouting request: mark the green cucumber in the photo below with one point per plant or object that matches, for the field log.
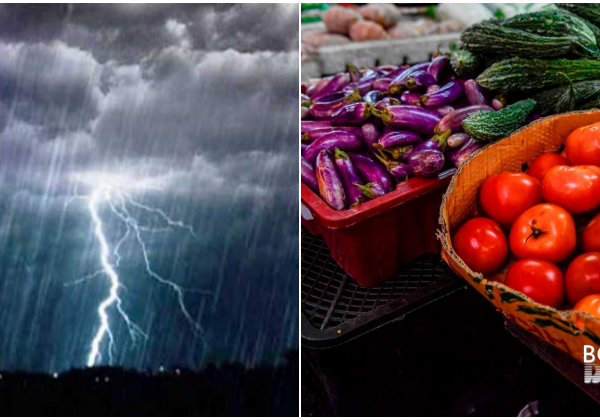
(566, 98)
(526, 75)
(486, 127)
(465, 64)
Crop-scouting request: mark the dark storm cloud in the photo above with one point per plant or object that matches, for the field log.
(200, 101)
(128, 32)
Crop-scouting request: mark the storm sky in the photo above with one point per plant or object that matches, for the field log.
(189, 108)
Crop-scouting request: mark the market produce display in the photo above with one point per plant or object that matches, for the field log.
(416, 121)
(541, 230)
(375, 21)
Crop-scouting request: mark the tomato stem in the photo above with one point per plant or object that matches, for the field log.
(535, 231)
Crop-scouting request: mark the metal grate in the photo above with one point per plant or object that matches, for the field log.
(330, 298)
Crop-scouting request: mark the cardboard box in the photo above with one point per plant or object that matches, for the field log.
(565, 329)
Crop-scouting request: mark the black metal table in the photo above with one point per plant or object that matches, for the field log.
(420, 343)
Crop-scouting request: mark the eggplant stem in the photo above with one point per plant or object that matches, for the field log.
(366, 189)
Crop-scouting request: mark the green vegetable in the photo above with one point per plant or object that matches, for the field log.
(587, 11)
(491, 126)
(595, 29)
(490, 38)
(553, 23)
(522, 74)
(590, 105)
(566, 98)
(465, 64)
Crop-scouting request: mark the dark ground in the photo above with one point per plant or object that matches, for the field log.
(452, 357)
(229, 390)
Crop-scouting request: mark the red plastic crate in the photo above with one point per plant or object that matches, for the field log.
(371, 240)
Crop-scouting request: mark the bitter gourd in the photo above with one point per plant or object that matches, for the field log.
(566, 98)
(486, 127)
(490, 38)
(465, 64)
(534, 74)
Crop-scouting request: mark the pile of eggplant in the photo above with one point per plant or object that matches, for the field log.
(364, 131)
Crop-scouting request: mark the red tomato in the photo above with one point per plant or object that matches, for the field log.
(575, 188)
(583, 277)
(544, 232)
(481, 244)
(590, 237)
(540, 280)
(505, 196)
(543, 163)
(583, 145)
(589, 304)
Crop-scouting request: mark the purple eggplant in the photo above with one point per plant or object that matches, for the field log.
(308, 175)
(331, 188)
(371, 190)
(312, 135)
(372, 97)
(397, 71)
(426, 163)
(440, 67)
(350, 178)
(437, 142)
(457, 156)
(303, 147)
(475, 93)
(337, 83)
(398, 138)
(343, 140)
(453, 121)
(355, 113)
(386, 69)
(410, 98)
(363, 87)
(315, 89)
(399, 82)
(456, 141)
(370, 135)
(399, 171)
(371, 171)
(444, 110)
(325, 106)
(408, 117)
(419, 81)
(385, 102)
(431, 89)
(382, 84)
(304, 113)
(312, 125)
(447, 94)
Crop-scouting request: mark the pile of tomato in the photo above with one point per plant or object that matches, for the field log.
(541, 235)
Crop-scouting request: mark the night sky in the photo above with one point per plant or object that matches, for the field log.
(180, 111)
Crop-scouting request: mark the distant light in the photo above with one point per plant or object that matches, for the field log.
(106, 379)
(161, 369)
(177, 371)
(0, 377)
(97, 379)
(55, 375)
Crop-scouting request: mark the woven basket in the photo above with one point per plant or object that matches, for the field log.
(567, 330)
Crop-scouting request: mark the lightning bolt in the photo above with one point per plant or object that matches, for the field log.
(119, 202)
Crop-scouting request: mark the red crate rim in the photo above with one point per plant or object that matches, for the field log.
(404, 192)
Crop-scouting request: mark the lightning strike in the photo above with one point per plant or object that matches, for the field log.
(119, 202)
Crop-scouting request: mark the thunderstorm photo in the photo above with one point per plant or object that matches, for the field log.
(148, 192)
